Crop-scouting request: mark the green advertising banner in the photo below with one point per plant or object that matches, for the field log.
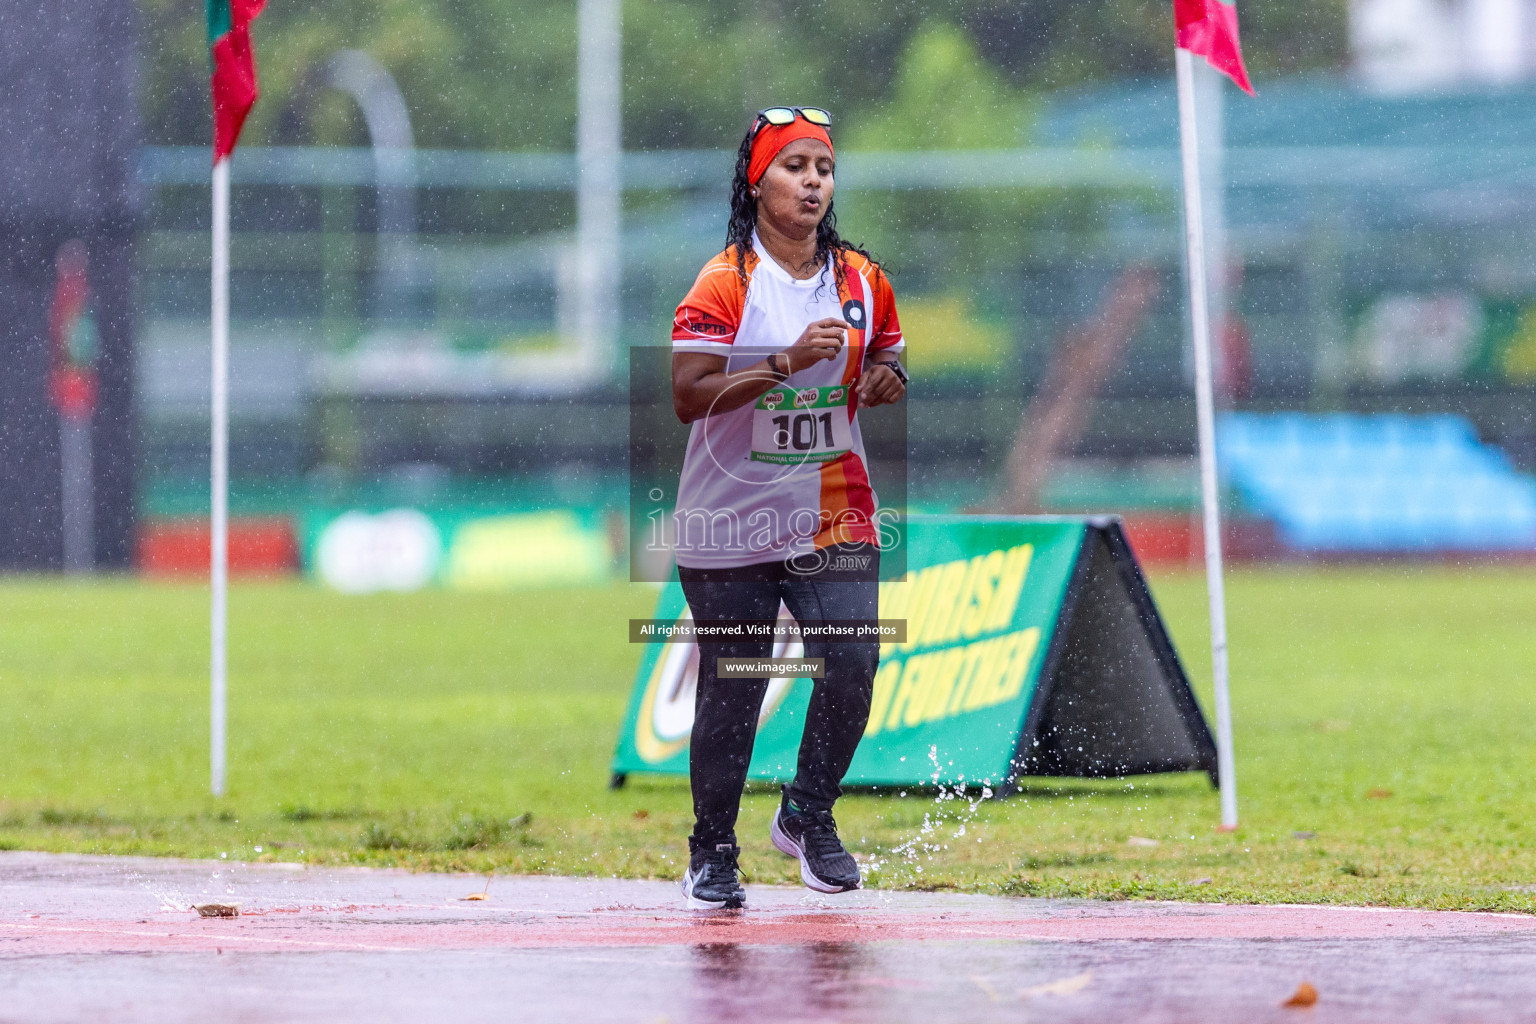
(471, 547)
(1032, 648)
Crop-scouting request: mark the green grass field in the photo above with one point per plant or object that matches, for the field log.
(1384, 717)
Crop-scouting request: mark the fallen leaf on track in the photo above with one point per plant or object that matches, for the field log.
(1305, 995)
(217, 909)
(1064, 987)
(484, 893)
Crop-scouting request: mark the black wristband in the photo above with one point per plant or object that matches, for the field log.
(773, 366)
(895, 367)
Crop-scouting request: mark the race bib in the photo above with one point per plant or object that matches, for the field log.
(794, 425)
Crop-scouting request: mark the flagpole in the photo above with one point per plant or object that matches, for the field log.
(219, 567)
(1205, 412)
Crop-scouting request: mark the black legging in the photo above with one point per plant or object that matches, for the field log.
(725, 711)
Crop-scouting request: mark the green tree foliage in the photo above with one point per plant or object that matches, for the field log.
(500, 74)
(1059, 43)
(475, 73)
(944, 97)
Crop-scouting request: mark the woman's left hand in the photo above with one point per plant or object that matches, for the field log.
(879, 385)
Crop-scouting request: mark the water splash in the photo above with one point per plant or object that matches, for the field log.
(955, 807)
(171, 900)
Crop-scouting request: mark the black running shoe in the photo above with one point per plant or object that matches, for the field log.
(710, 883)
(811, 838)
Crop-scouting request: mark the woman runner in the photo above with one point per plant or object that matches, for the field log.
(783, 337)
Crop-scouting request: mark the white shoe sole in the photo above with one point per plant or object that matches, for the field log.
(785, 844)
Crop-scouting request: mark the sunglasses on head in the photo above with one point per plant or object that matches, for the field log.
(784, 115)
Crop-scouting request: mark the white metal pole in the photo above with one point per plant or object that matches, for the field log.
(1210, 95)
(599, 140)
(219, 567)
(394, 160)
(1206, 416)
(75, 457)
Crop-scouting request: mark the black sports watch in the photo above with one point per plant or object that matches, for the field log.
(896, 368)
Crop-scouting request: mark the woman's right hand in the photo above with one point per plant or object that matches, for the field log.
(823, 339)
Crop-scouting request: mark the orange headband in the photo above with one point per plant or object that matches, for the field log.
(774, 137)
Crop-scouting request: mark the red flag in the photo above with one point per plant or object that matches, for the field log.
(1208, 28)
(234, 69)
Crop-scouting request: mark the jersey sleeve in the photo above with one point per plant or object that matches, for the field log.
(885, 326)
(709, 315)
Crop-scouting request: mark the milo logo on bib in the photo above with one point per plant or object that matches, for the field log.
(791, 426)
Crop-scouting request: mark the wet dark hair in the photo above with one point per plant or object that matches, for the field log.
(830, 246)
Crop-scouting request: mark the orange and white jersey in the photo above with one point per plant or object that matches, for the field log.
(785, 474)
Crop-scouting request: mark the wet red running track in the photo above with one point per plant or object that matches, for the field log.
(93, 938)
